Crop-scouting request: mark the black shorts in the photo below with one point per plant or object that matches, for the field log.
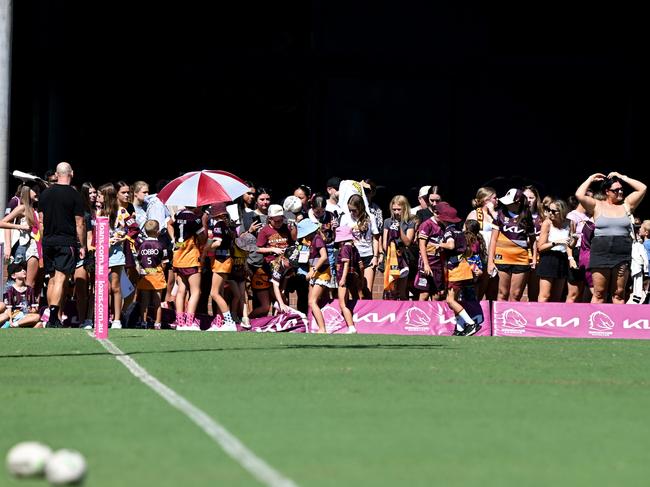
(513, 268)
(366, 261)
(60, 258)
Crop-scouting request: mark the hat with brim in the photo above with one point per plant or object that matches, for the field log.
(246, 242)
(513, 195)
(219, 208)
(275, 210)
(446, 213)
(306, 227)
(343, 234)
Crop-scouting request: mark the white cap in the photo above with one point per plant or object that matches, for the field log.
(275, 210)
(424, 190)
(292, 204)
(511, 196)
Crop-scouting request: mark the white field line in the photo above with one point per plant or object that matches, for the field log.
(257, 467)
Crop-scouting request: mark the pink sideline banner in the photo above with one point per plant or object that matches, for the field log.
(570, 320)
(402, 318)
(101, 278)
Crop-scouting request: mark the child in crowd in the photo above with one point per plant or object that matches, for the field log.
(220, 242)
(429, 279)
(151, 255)
(349, 270)
(644, 234)
(460, 278)
(478, 259)
(283, 268)
(319, 275)
(188, 231)
(19, 308)
(237, 280)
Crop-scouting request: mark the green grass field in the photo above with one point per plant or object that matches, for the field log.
(335, 410)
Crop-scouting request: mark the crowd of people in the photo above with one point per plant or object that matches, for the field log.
(243, 259)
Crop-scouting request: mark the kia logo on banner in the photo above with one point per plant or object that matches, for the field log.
(575, 320)
(401, 317)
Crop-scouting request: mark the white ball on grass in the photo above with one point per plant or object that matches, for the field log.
(28, 459)
(65, 467)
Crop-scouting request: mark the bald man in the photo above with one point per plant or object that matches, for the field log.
(64, 237)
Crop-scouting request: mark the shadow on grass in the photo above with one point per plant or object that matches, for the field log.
(374, 346)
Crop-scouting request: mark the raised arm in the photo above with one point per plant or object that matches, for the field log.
(588, 202)
(635, 197)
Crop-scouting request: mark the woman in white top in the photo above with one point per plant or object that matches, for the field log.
(554, 245)
(27, 248)
(483, 212)
(366, 239)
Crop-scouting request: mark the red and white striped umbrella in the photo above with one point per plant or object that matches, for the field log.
(198, 188)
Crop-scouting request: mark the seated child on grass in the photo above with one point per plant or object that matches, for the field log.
(20, 308)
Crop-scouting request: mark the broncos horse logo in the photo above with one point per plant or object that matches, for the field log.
(513, 319)
(599, 321)
(333, 319)
(417, 317)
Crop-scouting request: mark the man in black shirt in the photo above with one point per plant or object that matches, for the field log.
(64, 236)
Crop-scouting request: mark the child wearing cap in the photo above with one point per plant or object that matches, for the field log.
(20, 308)
(349, 270)
(272, 240)
(152, 254)
(459, 274)
(220, 240)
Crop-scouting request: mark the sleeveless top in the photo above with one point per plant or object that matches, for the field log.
(555, 234)
(612, 226)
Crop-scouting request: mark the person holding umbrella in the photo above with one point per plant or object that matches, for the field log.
(194, 190)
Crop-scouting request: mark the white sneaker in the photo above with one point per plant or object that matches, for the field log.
(351, 330)
(87, 324)
(116, 324)
(228, 326)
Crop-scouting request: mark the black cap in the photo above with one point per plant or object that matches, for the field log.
(15, 267)
(333, 182)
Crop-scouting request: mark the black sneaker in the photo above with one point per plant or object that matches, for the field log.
(457, 333)
(471, 329)
(54, 324)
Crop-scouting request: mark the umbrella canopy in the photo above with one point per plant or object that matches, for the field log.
(198, 188)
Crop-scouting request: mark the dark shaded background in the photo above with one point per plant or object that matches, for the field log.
(283, 93)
